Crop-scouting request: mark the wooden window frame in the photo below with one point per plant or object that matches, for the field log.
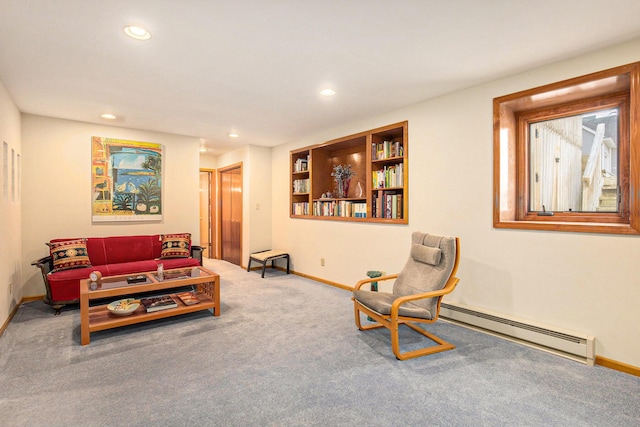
(524, 119)
(617, 87)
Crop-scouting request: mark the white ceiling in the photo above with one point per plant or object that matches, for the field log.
(255, 66)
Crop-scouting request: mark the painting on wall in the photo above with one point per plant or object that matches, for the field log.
(126, 180)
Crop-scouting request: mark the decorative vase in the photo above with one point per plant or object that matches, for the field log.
(345, 187)
(342, 187)
(359, 190)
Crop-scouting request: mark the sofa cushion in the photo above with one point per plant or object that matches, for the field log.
(176, 246)
(117, 249)
(69, 254)
(65, 285)
(131, 267)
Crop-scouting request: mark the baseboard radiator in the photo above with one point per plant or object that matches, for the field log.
(580, 347)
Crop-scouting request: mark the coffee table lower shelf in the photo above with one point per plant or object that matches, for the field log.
(100, 318)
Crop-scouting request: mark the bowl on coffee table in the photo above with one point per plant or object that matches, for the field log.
(123, 307)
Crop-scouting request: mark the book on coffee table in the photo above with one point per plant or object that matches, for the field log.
(136, 279)
(157, 303)
(188, 298)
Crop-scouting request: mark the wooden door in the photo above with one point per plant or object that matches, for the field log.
(207, 212)
(230, 208)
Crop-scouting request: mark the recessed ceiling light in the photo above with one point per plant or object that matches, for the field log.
(108, 116)
(137, 33)
(327, 92)
(233, 135)
(203, 149)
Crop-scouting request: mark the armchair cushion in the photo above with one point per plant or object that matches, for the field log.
(381, 302)
(426, 254)
(416, 279)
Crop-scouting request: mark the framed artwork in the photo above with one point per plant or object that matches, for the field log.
(126, 180)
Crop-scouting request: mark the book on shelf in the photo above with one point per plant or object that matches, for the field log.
(157, 303)
(387, 205)
(360, 210)
(389, 176)
(300, 208)
(301, 165)
(301, 186)
(386, 150)
(341, 208)
(188, 297)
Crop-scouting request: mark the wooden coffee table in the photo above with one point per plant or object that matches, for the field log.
(99, 318)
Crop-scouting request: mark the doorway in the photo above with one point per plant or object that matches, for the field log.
(207, 212)
(230, 208)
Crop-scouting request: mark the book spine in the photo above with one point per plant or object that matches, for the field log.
(161, 307)
(300, 208)
(394, 206)
(387, 211)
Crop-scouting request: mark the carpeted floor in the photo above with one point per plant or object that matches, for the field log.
(286, 352)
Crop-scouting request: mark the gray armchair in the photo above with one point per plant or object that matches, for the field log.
(428, 275)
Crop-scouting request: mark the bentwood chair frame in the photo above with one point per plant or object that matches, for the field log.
(393, 320)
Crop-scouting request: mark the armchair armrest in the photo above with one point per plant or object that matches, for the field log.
(448, 288)
(196, 252)
(374, 279)
(45, 264)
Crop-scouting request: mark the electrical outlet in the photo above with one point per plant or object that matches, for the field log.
(322, 262)
(10, 288)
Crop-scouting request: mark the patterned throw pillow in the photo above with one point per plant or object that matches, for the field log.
(176, 245)
(68, 254)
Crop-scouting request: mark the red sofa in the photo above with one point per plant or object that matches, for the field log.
(110, 256)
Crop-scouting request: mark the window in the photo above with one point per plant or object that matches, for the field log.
(564, 155)
(570, 157)
(572, 162)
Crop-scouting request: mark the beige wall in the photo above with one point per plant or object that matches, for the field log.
(10, 223)
(208, 162)
(259, 200)
(57, 187)
(581, 282)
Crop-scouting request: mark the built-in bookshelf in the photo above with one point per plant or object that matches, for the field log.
(301, 184)
(378, 192)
